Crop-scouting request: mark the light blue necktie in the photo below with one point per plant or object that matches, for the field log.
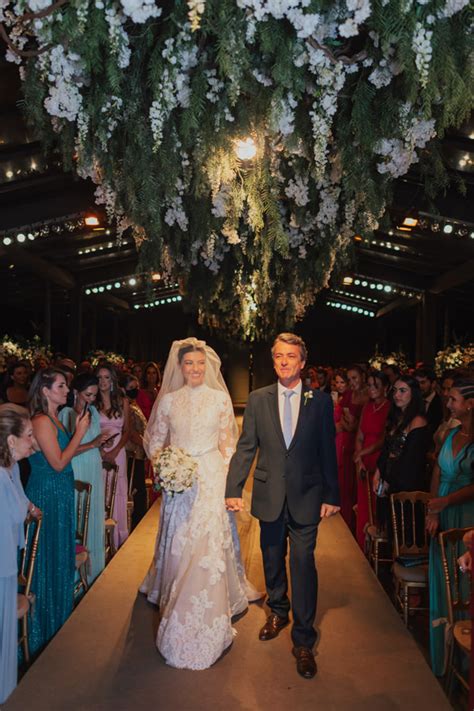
(287, 418)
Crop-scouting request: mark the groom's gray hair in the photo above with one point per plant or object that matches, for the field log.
(293, 340)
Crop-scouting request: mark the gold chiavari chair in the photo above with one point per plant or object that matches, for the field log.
(375, 538)
(110, 486)
(458, 597)
(410, 546)
(83, 504)
(26, 597)
(131, 493)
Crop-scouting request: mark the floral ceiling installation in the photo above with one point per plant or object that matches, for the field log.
(149, 100)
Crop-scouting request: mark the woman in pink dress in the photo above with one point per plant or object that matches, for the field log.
(114, 419)
(151, 381)
(369, 440)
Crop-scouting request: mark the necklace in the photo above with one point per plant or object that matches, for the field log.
(376, 408)
(465, 434)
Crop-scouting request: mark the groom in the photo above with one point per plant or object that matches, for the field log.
(295, 485)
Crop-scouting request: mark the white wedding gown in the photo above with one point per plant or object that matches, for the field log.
(196, 577)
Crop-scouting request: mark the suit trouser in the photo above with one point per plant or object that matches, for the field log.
(274, 538)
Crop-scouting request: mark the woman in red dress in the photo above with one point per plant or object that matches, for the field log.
(368, 444)
(151, 381)
(353, 400)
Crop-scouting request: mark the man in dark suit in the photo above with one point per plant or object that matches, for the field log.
(433, 403)
(295, 485)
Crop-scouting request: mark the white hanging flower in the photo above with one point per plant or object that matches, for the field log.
(421, 45)
(297, 190)
(140, 11)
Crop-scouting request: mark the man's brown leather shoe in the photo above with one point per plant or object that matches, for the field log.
(305, 663)
(272, 627)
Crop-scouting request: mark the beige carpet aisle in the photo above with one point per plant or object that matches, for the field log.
(105, 658)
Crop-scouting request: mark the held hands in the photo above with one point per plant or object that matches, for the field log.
(234, 504)
(328, 510)
(465, 562)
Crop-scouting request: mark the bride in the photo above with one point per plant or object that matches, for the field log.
(196, 576)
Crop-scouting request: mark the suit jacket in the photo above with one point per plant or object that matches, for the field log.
(305, 474)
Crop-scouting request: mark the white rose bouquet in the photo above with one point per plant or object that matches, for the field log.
(175, 470)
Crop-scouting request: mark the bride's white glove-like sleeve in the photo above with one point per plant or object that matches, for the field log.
(156, 433)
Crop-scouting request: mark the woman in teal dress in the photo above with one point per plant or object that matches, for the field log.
(452, 506)
(87, 465)
(51, 487)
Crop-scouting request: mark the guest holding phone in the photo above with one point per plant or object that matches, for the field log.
(114, 419)
(87, 464)
(51, 487)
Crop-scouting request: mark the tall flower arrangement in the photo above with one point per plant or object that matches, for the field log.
(148, 99)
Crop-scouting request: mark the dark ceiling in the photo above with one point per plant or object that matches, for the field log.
(43, 238)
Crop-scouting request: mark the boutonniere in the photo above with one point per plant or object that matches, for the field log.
(308, 395)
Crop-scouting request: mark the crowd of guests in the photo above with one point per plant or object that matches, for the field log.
(405, 432)
(59, 423)
(62, 421)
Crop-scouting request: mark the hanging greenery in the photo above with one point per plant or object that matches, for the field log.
(336, 99)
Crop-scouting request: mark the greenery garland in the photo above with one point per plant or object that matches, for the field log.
(339, 99)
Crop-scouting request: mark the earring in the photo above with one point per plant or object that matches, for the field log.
(111, 387)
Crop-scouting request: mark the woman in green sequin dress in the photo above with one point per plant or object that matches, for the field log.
(453, 507)
(51, 487)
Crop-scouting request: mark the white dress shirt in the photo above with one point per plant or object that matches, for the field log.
(295, 401)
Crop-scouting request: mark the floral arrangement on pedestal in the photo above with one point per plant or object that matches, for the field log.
(31, 350)
(325, 103)
(394, 358)
(9, 351)
(98, 357)
(452, 357)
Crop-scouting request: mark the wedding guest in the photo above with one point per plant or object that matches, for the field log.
(114, 419)
(324, 382)
(150, 388)
(341, 385)
(85, 366)
(402, 462)
(452, 506)
(16, 442)
(433, 403)
(448, 421)
(136, 453)
(369, 441)
(87, 464)
(352, 403)
(137, 371)
(51, 486)
(392, 372)
(16, 390)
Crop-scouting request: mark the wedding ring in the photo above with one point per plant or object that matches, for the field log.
(462, 569)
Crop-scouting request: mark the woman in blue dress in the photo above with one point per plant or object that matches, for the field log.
(51, 487)
(16, 442)
(452, 506)
(87, 465)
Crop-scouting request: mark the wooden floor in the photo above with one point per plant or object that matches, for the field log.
(104, 658)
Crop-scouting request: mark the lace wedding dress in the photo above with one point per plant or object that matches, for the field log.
(196, 577)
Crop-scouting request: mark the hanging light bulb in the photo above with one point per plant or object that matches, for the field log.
(246, 150)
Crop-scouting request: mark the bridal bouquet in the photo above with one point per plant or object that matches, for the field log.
(175, 470)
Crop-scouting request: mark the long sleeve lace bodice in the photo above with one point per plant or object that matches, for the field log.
(198, 420)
